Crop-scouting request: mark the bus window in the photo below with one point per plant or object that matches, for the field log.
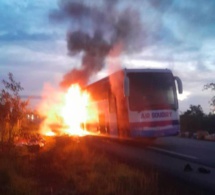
(151, 90)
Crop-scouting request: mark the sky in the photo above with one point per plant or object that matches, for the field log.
(37, 42)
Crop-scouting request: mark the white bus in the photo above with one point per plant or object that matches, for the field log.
(136, 103)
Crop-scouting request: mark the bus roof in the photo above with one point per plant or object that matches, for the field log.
(146, 70)
(133, 70)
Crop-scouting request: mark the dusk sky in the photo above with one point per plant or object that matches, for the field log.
(174, 34)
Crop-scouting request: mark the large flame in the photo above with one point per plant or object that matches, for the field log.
(66, 113)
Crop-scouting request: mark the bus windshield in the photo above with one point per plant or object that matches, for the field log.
(152, 91)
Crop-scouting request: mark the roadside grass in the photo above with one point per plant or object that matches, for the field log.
(15, 174)
(68, 166)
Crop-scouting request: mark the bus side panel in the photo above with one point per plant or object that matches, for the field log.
(113, 125)
(117, 82)
(113, 129)
(154, 123)
(122, 116)
(104, 119)
(102, 122)
(107, 117)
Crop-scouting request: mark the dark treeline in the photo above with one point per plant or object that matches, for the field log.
(194, 119)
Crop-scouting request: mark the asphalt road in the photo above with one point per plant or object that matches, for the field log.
(198, 151)
(188, 159)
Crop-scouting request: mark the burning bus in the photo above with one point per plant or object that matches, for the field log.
(135, 103)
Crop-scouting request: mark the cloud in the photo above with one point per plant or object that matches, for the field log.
(195, 99)
(36, 64)
(22, 36)
(191, 21)
(175, 34)
(24, 19)
(183, 96)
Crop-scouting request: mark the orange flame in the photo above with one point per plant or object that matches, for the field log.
(66, 113)
(74, 112)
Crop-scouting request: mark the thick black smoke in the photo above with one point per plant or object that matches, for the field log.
(95, 49)
(95, 30)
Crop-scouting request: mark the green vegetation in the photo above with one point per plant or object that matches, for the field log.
(15, 172)
(211, 86)
(194, 120)
(12, 110)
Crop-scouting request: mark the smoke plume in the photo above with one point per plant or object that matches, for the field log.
(94, 30)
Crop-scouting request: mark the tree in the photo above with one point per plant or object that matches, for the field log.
(194, 111)
(192, 119)
(211, 86)
(12, 109)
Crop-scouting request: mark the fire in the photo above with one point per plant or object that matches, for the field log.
(74, 111)
(66, 113)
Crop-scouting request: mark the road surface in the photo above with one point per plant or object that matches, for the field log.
(190, 160)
